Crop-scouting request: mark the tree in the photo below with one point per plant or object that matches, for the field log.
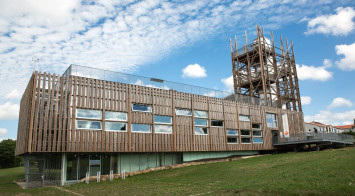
(7, 154)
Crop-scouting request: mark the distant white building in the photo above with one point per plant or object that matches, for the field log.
(320, 127)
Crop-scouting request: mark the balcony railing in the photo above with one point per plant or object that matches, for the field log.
(316, 137)
(78, 70)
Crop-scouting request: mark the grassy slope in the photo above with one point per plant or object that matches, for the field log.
(329, 172)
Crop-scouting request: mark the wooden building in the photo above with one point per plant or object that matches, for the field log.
(90, 120)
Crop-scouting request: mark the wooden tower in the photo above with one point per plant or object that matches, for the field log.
(262, 70)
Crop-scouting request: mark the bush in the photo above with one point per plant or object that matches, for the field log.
(7, 154)
(350, 133)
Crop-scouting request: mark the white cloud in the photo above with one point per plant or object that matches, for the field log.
(228, 83)
(3, 132)
(14, 94)
(194, 71)
(122, 35)
(348, 62)
(305, 72)
(9, 111)
(339, 102)
(340, 23)
(328, 117)
(306, 100)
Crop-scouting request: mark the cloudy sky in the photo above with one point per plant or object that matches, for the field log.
(182, 41)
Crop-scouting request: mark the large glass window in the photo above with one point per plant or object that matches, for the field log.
(86, 113)
(87, 124)
(232, 132)
(141, 107)
(245, 140)
(217, 123)
(232, 140)
(162, 119)
(72, 167)
(183, 112)
(244, 118)
(83, 165)
(200, 114)
(163, 129)
(257, 133)
(258, 140)
(200, 122)
(245, 133)
(256, 126)
(94, 164)
(201, 130)
(115, 126)
(120, 116)
(141, 128)
(271, 120)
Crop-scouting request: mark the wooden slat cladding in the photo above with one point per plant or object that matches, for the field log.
(48, 117)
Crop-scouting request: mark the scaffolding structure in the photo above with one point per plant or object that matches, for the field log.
(262, 70)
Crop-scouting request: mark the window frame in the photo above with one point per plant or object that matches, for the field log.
(165, 125)
(245, 116)
(200, 116)
(182, 109)
(232, 130)
(149, 106)
(116, 130)
(233, 137)
(150, 128)
(201, 119)
(245, 135)
(116, 120)
(273, 121)
(215, 121)
(262, 140)
(245, 142)
(201, 127)
(77, 128)
(76, 114)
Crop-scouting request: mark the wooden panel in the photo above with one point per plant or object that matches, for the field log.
(48, 116)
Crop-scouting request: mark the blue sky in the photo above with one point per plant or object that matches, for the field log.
(181, 41)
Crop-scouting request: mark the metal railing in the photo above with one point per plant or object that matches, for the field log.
(83, 71)
(317, 137)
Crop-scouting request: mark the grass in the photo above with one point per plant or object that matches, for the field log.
(330, 172)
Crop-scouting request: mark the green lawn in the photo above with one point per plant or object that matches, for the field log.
(330, 172)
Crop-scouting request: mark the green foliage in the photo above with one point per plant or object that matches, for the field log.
(7, 154)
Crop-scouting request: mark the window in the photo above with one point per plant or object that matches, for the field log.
(245, 133)
(245, 140)
(232, 132)
(183, 112)
(258, 140)
(141, 107)
(200, 114)
(257, 133)
(86, 113)
(141, 128)
(120, 116)
(232, 136)
(232, 140)
(115, 126)
(201, 130)
(200, 122)
(217, 123)
(256, 126)
(163, 129)
(87, 124)
(271, 120)
(244, 118)
(162, 119)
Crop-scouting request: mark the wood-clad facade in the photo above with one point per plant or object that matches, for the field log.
(48, 118)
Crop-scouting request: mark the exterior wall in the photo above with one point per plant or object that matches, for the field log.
(48, 111)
